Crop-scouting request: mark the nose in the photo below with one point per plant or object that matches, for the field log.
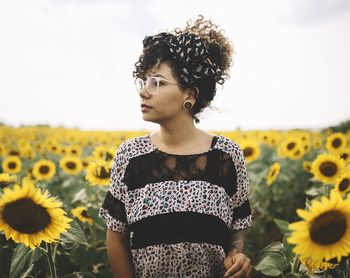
(144, 93)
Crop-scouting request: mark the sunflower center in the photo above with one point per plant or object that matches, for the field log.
(291, 146)
(4, 184)
(273, 172)
(344, 156)
(44, 169)
(12, 165)
(84, 213)
(104, 174)
(336, 143)
(328, 228)
(328, 169)
(71, 165)
(25, 216)
(248, 152)
(344, 184)
(109, 156)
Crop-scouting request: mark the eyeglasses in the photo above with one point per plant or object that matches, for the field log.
(151, 84)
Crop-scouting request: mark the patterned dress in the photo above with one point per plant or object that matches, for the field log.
(180, 210)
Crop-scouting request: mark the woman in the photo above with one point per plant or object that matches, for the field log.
(178, 199)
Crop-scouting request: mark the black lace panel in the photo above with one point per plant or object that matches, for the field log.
(114, 207)
(214, 166)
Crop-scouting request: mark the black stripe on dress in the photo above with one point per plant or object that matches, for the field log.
(179, 227)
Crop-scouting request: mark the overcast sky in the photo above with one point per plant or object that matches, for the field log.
(70, 63)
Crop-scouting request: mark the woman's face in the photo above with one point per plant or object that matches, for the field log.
(165, 104)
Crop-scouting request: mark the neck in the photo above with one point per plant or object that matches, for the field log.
(177, 133)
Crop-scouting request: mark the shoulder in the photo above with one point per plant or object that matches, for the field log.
(133, 147)
(229, 146)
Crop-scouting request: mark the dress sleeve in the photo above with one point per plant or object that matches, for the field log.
(242, 217)
(113, 207)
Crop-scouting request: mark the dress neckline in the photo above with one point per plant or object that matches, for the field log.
(213, 143)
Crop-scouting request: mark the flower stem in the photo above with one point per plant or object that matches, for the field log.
(296, 264)
(51, 260)
(54, 252)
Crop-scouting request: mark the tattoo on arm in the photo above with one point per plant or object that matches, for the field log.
(237, 241)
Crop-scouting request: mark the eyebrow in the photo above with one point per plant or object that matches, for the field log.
(159, 75)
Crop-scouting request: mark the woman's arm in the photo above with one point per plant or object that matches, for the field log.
(119, 254)
(237, 242)
(236, 263)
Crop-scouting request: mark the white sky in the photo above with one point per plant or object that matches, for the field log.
(70, 63)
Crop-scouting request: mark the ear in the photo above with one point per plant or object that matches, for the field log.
(192, 94)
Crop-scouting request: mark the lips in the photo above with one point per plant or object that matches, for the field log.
(144, 105)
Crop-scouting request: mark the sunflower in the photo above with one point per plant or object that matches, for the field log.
(273, 173)
(30, 216)
(12, 164)
(298, 153)
(6, 180)
(345, 154)
(307, 166)
(327, 168)
(313, 265)
(305, 136)
(291, 147)
(71, 165)
(307, 145)
(251, 150)
(343, 182)
(324, 233)
(28, 152)
(81, 214)
(336, 142)
(98, 172)
(317, 142)
(39, 147)
(63, 150)
(75, 150)
(264, 137)
(44, 170)
(102, 152)
(54, 148)
(87, 160)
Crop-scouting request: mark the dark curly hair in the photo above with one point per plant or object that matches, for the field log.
(219, 50)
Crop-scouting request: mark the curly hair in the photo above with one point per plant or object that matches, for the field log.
(219, 49)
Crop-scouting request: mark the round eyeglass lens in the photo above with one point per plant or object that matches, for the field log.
(139, 84)
(152, 84)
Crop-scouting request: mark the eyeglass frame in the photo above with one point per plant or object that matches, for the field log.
(158, 79)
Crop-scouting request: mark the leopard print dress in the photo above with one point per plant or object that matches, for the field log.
(178, 210)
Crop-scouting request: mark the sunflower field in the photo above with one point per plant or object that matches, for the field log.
(54, 180)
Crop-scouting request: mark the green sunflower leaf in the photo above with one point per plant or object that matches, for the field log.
(73, 236)
(283, 225)
(272, 264)
(22, 260)
(79, 196)
(271, 260)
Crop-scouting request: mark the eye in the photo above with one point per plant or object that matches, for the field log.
(153, 82)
